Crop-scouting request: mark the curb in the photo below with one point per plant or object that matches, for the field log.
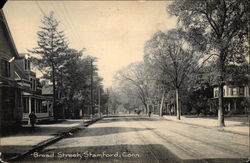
(43, 144)
(89, 122)
(48, 142)
(208, 127)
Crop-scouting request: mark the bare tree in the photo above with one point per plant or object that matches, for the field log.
(171, 58)
(129, 98)
(113, 100)
(137, 77)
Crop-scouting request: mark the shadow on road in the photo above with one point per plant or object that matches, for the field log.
(129, 118)
(101, 131)
(39, 130)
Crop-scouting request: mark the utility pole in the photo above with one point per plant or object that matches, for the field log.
(99, 102)
(91, 91)
(108, 103)
(162, 103)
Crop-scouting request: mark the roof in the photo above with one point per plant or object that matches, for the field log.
(23, 55)
(19, 71)
(5, 26)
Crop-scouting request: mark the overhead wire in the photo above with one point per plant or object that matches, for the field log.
(44, 14)
(66, 22)
(71, 21)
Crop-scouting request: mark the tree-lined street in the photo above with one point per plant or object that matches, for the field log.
(143, 139)
(132, 81)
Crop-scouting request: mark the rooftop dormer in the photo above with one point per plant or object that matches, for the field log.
(24, 63)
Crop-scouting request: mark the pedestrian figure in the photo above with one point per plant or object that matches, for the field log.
(138, 112)
(32, 117)
(149, 113)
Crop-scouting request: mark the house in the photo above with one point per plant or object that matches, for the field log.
(32, 98)
(235, 98)
(10, 94)
(47, 91)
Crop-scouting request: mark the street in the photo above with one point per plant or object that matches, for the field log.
(143, 139)
(124, 81)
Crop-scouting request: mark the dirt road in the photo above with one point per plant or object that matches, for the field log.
(143, 139)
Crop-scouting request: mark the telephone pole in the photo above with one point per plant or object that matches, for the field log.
(99, 102)
(107, 111)
(91, 90)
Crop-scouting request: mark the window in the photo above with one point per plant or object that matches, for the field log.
(234, 91)
(5, 66)
(26, 64)
(229, 91)
(25, 105)
(38, 106)
(241, 91)
(32, 84)
(216, 93)
(32, 105)
(44, 107)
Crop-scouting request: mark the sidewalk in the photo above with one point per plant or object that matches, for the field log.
(232, 124)
(26, 140)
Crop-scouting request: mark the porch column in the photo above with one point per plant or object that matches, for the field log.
(29, 99)
(35, 105)
(229, 106)
(235, 105)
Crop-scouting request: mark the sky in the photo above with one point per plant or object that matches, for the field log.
(113, 31)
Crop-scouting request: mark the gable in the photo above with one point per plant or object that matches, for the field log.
(7, 46)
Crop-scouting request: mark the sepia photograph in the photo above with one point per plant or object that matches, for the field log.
(126, 81)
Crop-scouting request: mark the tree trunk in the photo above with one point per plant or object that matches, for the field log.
(91, 91)
(178, 109)
(162, 101)
(146, 108)
(221, 122)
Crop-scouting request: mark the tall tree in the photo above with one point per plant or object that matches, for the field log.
(217, 27)
(51, 46)
(173, 60)
(73, 83)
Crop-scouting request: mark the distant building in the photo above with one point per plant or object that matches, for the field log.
(10, 94)
(32, 98)
(235, 98)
